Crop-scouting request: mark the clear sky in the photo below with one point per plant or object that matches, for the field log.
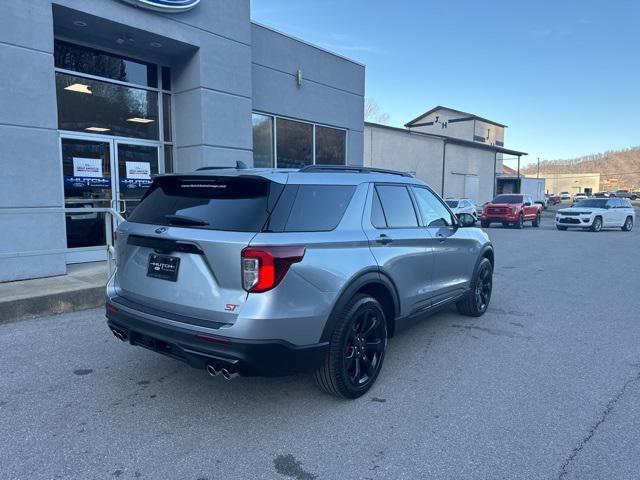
(563, 75)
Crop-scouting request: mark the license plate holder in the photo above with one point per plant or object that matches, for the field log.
(163, 267)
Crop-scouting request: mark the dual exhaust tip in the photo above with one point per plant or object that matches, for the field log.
(227, 374)
(212, 368)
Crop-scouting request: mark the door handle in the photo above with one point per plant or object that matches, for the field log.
(384, 239)
(441, 238)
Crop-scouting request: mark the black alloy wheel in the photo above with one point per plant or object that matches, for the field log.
(477, 301)
(357, 349)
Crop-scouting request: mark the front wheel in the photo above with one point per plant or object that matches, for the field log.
(520, 222)
(596, 226)
(356, 349)
(477, 300)
(628, 225)
(536, 222)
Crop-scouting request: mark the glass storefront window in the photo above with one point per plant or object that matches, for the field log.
(86, 105)
(166, 113)
(94, 62)
(168, 159)
(294, 143)
(262, 141)
(331, 145)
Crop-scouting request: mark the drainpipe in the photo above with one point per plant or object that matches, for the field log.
(495, 174)
(444, 162)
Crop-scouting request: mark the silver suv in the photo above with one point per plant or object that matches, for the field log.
(273, 272)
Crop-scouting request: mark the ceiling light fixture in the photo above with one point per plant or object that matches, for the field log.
(97, 129)
(79, 87)
(80, 23)
(140, 120)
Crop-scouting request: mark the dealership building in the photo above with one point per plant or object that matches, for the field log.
(98, 96)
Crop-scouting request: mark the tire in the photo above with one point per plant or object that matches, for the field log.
(520, 223)
(561, 228)
(628, 225)
(475, 303)
(536, 222)
(485, 224)
(355, 356)
(596, 226)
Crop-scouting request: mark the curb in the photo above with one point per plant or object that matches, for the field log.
(55, 303)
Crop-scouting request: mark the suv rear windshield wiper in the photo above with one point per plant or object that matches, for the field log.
(184, 220)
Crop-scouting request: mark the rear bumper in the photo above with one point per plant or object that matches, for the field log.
(247, 357)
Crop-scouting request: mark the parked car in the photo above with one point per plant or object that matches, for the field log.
(579, 196)
(511, 209)
(258, 272)
(553, 199)
(601, 194)
(635, 196)
(626, 194)
(544, 203)
(565, 196)
(462, 205)
(597, 213)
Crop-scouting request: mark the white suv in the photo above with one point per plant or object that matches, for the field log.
(597, 213)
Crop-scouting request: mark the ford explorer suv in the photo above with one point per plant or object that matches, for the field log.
(511, 209)
(597, 213)
(274, 272)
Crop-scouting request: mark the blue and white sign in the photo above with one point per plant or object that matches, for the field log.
(167, 6)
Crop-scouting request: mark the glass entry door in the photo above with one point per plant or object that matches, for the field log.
(101, 173)
(137, 163)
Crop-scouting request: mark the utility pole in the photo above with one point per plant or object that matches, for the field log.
(538, 167)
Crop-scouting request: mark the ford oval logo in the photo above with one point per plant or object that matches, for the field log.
(171, 6)
(161, 230)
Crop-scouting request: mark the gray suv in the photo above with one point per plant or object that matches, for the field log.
(274, 272)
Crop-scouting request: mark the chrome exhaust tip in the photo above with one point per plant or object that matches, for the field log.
(212, 370)
(227, 375)
(119, 334)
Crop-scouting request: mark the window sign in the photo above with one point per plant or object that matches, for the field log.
(137, 175)
(87, 173)
(87, 167)
(138, 170)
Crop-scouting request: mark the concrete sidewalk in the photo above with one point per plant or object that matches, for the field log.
(81, 288)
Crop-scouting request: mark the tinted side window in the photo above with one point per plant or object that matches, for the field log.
(397, 206)
(377, 215)
(310, 208)
(434, 213)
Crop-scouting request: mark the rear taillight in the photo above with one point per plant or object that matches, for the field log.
(264, 267)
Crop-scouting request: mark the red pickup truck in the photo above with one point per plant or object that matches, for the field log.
(511, 209)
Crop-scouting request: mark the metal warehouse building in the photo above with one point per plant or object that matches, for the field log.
(457, 153)
(97, 96)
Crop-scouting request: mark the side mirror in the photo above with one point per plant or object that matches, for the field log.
(466, 220)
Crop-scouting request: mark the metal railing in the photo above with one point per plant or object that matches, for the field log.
(112, 219)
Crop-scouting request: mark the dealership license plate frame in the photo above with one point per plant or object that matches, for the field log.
(163, 267)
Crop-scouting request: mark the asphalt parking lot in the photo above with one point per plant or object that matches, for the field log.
(545, 386)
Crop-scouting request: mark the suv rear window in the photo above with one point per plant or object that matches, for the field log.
(215, 203)
(310, 208)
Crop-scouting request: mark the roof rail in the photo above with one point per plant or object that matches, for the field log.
(239, 166)
(350, 168)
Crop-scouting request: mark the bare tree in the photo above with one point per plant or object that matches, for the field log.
(372, 112)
